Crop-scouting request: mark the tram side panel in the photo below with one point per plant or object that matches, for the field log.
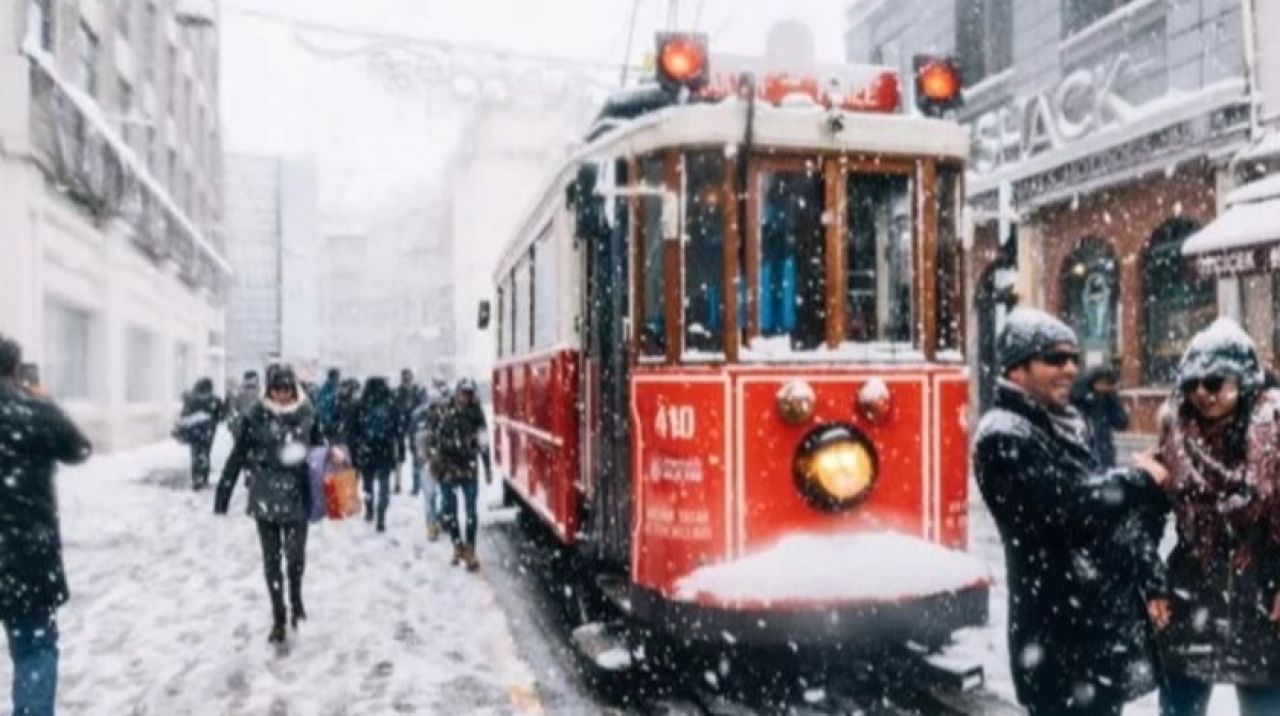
(538, 434)
(951, 410)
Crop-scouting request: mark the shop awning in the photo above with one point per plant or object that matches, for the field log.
(1244, 239)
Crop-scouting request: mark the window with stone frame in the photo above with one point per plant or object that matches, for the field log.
(1175, 306)
(984, 37)
(1079, 14)
(1090, 299)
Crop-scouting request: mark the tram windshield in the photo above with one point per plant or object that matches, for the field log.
(828, 266)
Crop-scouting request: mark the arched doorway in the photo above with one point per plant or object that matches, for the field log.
(1090, 293)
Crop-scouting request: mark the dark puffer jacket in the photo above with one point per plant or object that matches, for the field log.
(272, 445)
(377, 429)
(34, 436)
(459, 441)
(1102, 411)
(201, 413)
(1080, 549)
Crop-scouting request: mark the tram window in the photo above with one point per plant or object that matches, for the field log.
(653, 333)
(510, 325)
(501, 322)
(544, 286)
(521, 296)
(878, 306)
(950, 296)
(704, 252)
(792, 284)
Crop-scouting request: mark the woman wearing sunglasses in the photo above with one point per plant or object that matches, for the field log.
(1219, 621)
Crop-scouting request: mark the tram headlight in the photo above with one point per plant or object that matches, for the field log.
(835, 467)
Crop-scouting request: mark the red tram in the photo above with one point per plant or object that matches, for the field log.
(729, 372)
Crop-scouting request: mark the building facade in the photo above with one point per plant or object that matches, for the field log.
(273, 244)
(1103, 136)
(110, 161)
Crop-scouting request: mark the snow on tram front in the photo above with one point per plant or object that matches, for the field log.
(729, 372)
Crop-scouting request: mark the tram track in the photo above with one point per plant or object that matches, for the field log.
(536, 588)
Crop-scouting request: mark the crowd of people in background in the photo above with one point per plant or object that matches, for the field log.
(439, 430)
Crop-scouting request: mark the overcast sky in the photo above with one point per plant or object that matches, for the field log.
(279, 98)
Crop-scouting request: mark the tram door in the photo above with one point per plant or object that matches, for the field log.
(605, 426)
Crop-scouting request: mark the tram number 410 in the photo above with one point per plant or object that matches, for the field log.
(678, 422)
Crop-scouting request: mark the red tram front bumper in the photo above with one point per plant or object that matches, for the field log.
(926, 619)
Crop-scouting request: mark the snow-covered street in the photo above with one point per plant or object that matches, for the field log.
(169, 614)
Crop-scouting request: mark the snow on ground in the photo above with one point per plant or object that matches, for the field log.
(169, 613)
(988, 645)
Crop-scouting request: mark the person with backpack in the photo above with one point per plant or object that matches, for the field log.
(271, 445)
(462, 441)
(409, 395)
(375, 449)
(201, 413)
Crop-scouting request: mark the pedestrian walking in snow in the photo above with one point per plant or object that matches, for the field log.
(346, 411)
(1094, 395)
(408, 397)
(377, 435)
(1220, 615)
(245, 397)
(197, 425)
(272, 445)
(1079, 540)
(423, 426)
(462, 441)
(34, 436)
(327, 403)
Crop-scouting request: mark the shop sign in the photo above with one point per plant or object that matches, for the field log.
(1236, 262)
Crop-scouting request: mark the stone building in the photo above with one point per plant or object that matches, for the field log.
(1103, 137)
(113, 273)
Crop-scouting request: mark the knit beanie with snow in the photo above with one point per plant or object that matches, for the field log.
(1028, 332)
(1222, 349)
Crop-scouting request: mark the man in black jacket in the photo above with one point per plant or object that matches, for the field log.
(202, 411)
(34, 436)
(1079, 540)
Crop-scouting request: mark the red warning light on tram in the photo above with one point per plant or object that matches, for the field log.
(682, 61)
(938, 84)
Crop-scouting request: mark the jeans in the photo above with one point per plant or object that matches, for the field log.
(200, 462)
(430, 490)
(470, 489)
(290, 540)
(33, 647)
(381, 479)
(1184, 696)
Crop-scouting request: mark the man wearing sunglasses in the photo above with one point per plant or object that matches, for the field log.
(1079, 539)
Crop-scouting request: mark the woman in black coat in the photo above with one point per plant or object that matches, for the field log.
(375, 451)
(272, 445)
(201, 413)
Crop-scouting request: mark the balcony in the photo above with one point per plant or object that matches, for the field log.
(83, 157)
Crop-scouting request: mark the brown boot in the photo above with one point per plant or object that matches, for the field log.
(469, 558)
(433, 533)
(458, 552)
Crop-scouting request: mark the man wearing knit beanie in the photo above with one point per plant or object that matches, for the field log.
(1079, 552)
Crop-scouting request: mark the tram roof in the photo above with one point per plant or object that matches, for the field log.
(800, 128)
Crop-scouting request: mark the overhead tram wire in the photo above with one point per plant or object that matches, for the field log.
(379, 39)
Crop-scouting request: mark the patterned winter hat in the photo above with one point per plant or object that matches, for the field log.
(1224, 349)
(1027, 333)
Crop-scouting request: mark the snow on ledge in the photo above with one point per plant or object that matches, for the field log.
(848, 568)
